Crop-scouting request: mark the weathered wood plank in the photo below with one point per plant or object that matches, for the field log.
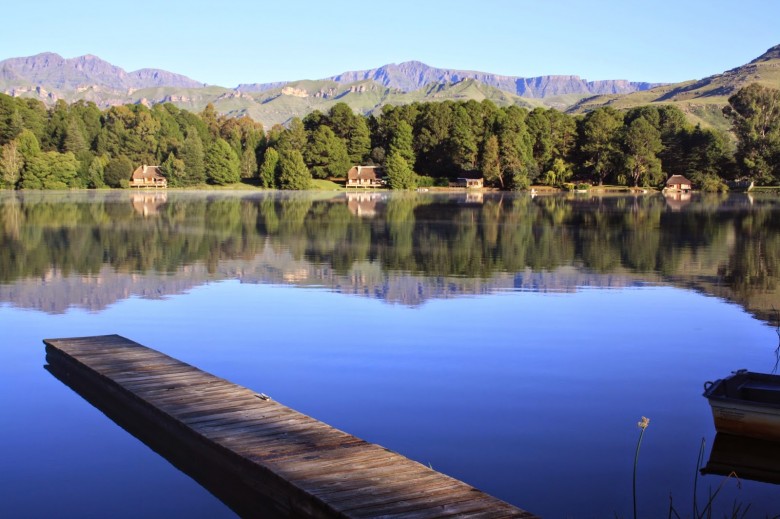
(279, 462)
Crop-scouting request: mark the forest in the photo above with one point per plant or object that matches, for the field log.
(421, 144)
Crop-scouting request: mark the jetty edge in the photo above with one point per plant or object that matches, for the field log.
(260, 457)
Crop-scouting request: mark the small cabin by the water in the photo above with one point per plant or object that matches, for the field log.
(365, 176)
(469, 182)
(678, 183)
(148, 176)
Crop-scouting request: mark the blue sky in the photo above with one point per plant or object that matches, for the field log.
(227, 43)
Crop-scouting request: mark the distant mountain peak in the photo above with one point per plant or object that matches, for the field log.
(50, 70)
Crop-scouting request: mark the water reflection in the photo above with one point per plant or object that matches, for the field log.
(148, 203)
(181, 450)
(748, 458)
(91, 249)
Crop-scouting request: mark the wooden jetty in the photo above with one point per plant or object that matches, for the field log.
(260, 457)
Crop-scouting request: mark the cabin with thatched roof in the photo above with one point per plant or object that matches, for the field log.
(678, 183)
(148, 176)
(366, 176)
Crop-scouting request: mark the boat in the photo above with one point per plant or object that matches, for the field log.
(746, 404)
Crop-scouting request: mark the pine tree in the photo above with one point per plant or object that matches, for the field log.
(222, 164)
(193, 156)
(326, 154)
(293, 173)
(248, 167)
(402, 142)
(174, 170)
(642, 143)
(490, 164)
(268, 169)
(399, 174)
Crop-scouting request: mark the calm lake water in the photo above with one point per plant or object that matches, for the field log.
(509, 341)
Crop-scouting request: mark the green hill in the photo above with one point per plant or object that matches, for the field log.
(297, 99)
(701, 100)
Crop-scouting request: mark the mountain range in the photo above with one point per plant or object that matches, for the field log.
(414, 75)
(49, 77)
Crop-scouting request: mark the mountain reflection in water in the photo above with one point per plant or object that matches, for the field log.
(92, 249)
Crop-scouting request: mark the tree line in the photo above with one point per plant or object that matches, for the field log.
(80, 146)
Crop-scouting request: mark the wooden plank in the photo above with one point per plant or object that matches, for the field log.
(280, 463)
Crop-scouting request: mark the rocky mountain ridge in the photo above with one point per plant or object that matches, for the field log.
(412, 75)
(52, 71)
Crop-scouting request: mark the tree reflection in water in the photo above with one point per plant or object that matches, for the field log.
(727, 246)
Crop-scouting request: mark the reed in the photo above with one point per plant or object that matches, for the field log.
(738, 510)
(642, 424)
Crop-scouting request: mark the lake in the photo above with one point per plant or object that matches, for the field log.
(508, 340)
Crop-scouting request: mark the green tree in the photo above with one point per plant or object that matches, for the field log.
(11, 164)
(174, 170)
(50, 170)
(755, 120)
(293, 137)
(56, 126)
(352, 129)
(210, 117)
(515, 147)
(559, 173)
(402, 141)
(29, 146)
(193, 156)
(74, 140)
(563, 134)
(399, 174)
(432, 143)
(541, 133)
(599, 142)
(359, 141)
(705, 153)
(11, 122)
(293, 173)
(490, 163)
(248, 166)
(118, 171)
(222, 164)
(268, 169)
(326, 154)
(463, 143)
(642, 143)
(96, 172)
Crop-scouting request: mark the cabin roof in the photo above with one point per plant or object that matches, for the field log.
(364, 172)
(471, 175)
(147, 172)
(676, 180)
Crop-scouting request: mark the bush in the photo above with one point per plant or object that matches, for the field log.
(712, 184)
(425, 181)
(521, 182)
(118, 169)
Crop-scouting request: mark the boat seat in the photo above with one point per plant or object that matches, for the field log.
(757, 392)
